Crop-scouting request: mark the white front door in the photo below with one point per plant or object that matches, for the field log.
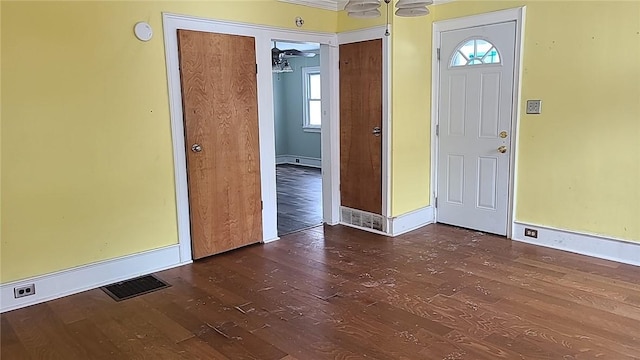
(475, 111)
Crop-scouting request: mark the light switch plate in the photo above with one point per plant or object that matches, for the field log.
(534, 106)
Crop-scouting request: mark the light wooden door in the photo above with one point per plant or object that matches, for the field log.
(219, 94)
(361, 125)
(476, 102)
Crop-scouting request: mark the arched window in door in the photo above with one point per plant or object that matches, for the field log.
(475, 52)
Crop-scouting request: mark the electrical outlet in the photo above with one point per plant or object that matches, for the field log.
(531, 233)
(534, 106)
(297, 160)
(26, 290)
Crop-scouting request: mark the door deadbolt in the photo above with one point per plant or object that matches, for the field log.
(196, 148)
(503, 134)
(376, 131)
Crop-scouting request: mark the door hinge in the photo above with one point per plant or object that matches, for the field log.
(438, 54)
(261, 205)
(436, 202)
(256, 68)
(437, 129)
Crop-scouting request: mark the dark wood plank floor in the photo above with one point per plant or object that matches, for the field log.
(338, 293)
(299, 195)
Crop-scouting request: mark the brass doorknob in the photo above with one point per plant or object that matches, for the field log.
(196, 148)
(502, 149)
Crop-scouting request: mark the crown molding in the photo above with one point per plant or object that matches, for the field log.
(334, 5)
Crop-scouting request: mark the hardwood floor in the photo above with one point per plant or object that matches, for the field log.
(299, 195)
(337, 293)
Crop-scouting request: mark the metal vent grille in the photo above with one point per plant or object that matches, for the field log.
(134, 287)
(362, 219)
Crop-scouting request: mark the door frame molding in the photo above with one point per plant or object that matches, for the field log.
(375, 33)
(515, 14)
(263, 36)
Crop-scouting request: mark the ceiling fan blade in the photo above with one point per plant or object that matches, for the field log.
(296, 53)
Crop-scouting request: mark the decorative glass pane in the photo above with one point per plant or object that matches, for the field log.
(491, 57)
(482, 47)
(459, 59)
(315, 113)
(314, 86)
(475, 52)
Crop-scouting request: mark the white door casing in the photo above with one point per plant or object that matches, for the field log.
(475, 106)
(330, 132)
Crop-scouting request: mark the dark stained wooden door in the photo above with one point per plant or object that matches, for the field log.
(360, 113)
(219, 95)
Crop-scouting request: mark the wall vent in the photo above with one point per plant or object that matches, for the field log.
(362, 219)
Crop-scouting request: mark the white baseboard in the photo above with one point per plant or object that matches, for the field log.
(412, 220)
(67, 282)
(301, 160)
(271, 240)
(390, 226)
(622, 251)
(364, 228)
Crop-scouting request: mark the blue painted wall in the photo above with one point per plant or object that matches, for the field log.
(288, 111)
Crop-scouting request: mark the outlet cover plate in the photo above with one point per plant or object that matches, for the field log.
(24, 290)
(534, 106)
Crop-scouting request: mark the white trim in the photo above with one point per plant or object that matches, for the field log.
(364, 229)
(373, 34)
(334, 5)
(271, 240)
(264, 36)
(330, 133)
(302, 161)
(518, 15)
(410, 221)
(72, 281)
(306, 97)
(623, 251)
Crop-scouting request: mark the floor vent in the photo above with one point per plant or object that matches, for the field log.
(131, 288)
(362, 219)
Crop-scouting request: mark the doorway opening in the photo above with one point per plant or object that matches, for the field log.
(297, 105)
(262, 70)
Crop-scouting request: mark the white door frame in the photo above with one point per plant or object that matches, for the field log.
(518, 15)
(330, 128)
(375, 33)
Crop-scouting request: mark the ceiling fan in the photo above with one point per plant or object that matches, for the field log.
(279, 58)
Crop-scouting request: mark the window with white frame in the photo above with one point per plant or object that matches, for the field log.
(312, 102)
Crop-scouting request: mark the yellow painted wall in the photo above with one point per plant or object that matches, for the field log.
(578, 162)
(411, 114)
(87, 166)
(86, 163)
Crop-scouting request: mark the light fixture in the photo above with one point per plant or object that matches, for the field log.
(364, 14)
(412, 12)
(286, 67)
(404, 8)
(355, 6)
(403, 4)
(281, 67)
